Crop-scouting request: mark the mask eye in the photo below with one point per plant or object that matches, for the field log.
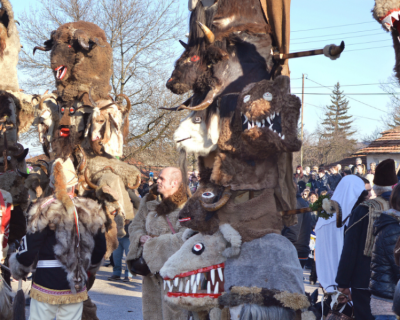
(208, 195)
(246, 99)
(197, 120)
(71, 110)
(62, 109)
(267, 96)
(195, 58)
(198, 248)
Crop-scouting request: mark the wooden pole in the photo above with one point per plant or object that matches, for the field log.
(302, 114)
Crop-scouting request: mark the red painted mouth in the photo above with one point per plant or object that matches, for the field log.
(185, 219)
(200, 283)
(61, 71)
(64, 132)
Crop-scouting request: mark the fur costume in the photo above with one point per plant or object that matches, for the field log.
(151, 219)
(386, 12)
(10, 47)
(81, 58)
(53, 232)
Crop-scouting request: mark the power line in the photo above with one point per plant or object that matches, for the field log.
(348, 97)
(348, 85)
(369, 48)
(313, 105)
(341, 38)
(343, 25)
(334, 34)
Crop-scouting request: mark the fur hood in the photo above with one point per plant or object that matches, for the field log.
(50, 212)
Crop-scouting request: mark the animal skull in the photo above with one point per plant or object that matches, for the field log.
(195, 135)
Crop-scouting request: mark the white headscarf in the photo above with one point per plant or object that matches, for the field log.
(346, 194)
(330, 239)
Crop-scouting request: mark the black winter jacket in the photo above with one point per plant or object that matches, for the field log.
(384, 271)
(333, 181)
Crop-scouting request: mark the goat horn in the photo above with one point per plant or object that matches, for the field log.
(220, 203)
(44, 97)
(88, 182)
(138, 181)
(83, 44)
(207, 32)
(41, 167)
(128, 101)
(23, 174)
(83, 163)
(91, 99)
(209, 99)
(336, 50)
(41, 49)
(183, 44)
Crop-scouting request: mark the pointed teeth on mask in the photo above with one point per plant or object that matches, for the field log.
(220, 274)
(208, 287)
(263, 122)
(187, 288)
(212, 273)
(194, 288)
(270, 127)
(198, 277)
(176, 282)
(248, 126)
(283, 137)
(245, 119)
(170, 286)
(258, 123)
(395, 15)
(181, 285)
(192, 279)
(216, 288)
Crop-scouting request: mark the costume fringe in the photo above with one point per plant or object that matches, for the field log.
(52, 299)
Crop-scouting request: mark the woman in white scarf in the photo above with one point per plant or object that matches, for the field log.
(330, 239)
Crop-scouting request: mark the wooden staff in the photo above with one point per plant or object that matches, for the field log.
(333, 51)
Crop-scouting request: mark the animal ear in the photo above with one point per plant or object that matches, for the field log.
(283, 84)
(233, 237)
(188, 233)
(23, 155)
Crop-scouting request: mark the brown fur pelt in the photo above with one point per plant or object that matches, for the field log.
(173, 202)
(12, 182)
(89, 310)
(76, 261)
(60, 188)
(86, 68)
(63, 147)
(3, 37)
(257, 142)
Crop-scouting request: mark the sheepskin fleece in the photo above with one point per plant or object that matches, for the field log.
(9, 60)
(192, 304)
(8, 106)
(273, 262)
(97, 164)
(85, 69)
(91, 220)
(382, 7)
(164, 244)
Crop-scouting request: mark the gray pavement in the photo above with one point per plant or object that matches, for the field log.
(123, 300)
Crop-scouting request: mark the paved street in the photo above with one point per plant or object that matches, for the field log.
(123, 301)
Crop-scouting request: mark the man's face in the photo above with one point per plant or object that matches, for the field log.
(321, 174)
(313, 198)
(358, 162)
(164, 185)
(373, 166)
(339, 167)
(360, 169)
(333, 170)
(308, 170)
(369, 189)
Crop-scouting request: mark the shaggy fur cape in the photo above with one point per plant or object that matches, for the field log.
(76, 261)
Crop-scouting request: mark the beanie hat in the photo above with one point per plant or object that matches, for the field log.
(385, 173)
(321, 170)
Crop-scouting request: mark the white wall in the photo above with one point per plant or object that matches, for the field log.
(380, 157)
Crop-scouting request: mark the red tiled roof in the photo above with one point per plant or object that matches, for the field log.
(388, 143)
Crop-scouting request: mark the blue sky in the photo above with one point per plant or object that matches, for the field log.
(324, 21)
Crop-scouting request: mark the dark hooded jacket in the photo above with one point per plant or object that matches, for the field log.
(354, 266)
(384, 272)
(322, 184)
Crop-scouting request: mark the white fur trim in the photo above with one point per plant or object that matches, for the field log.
(234, 238)
(327, 206)
(18, 270)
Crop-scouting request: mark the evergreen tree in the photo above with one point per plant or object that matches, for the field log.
(337, 122)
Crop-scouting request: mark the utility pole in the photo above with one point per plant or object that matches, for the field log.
(302, 113)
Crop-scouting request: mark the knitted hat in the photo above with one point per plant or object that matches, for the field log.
(385, 173)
